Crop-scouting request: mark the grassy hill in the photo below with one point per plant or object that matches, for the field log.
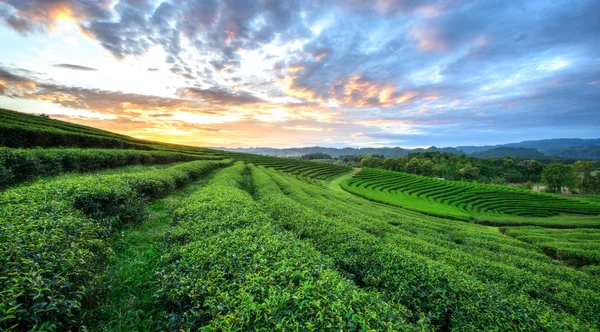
(104, 232)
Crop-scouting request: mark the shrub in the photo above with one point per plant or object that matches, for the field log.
(55, 239)
(17, 165)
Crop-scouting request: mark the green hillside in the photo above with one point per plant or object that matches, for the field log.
(461, 200)
(103, 232)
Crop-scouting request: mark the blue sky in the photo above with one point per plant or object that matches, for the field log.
(303, 73)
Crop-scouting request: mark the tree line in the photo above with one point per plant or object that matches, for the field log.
(554, 173)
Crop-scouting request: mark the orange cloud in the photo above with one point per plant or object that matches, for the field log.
(303, 128)
(62, 13)
(47, 14)
(3, 85)
(294, 69)
(406, 96)
(357, 91)
(290, 89)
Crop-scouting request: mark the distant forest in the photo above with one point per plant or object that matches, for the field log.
(576, 174)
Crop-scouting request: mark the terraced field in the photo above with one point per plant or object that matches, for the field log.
(180, 238)
(301, 168)
(461, 200)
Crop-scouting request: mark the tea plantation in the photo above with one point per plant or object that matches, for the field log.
(103, 232)
(461, 200)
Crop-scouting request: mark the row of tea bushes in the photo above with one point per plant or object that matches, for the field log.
(55, 238)
(231, 269)
(17, 165)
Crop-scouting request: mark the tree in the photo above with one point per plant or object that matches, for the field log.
(596, 183)
(584, 173)
(413, 166)
(469, 173)
(512, 175)
(400, 163)
(556, 176)
(498, 180)
(388, 163)
(371, 162)
(426, 167)
(532, 169)
(509, 162)
(315, 155)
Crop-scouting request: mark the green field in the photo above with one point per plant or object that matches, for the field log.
(467, 201)
(121, 234)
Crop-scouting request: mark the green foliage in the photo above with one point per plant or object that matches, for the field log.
(525, 185)
(576, 247)
(55, 239)
(20, 136)
(469, 172)
(316, 155)
(451, 276)
(17, 165)
(459, 200)
(583, 170)
(531, 168)
(20, 130)
(500, 181)
(308, 170)
(446, 165)
(230, 268)
(556, 176)
(371, 162)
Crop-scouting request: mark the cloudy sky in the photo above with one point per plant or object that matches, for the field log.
(303, 73)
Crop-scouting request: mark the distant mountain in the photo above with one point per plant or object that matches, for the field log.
(555, 143)
(557, 147)
(473, 149)
(508, 151)
(584, 152)
(334, 152)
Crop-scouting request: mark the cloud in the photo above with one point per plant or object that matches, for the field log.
(303, 128)
(219, 96)
(39, 15)
(74, 67)
(428, 39)
(12, 85)
(427, 67)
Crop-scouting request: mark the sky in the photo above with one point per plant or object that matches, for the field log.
(335, 73)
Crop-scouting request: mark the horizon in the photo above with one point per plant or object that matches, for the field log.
(243, 74)
(401, 147)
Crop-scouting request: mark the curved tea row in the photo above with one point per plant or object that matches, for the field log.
(460, 199)
(300, 168)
